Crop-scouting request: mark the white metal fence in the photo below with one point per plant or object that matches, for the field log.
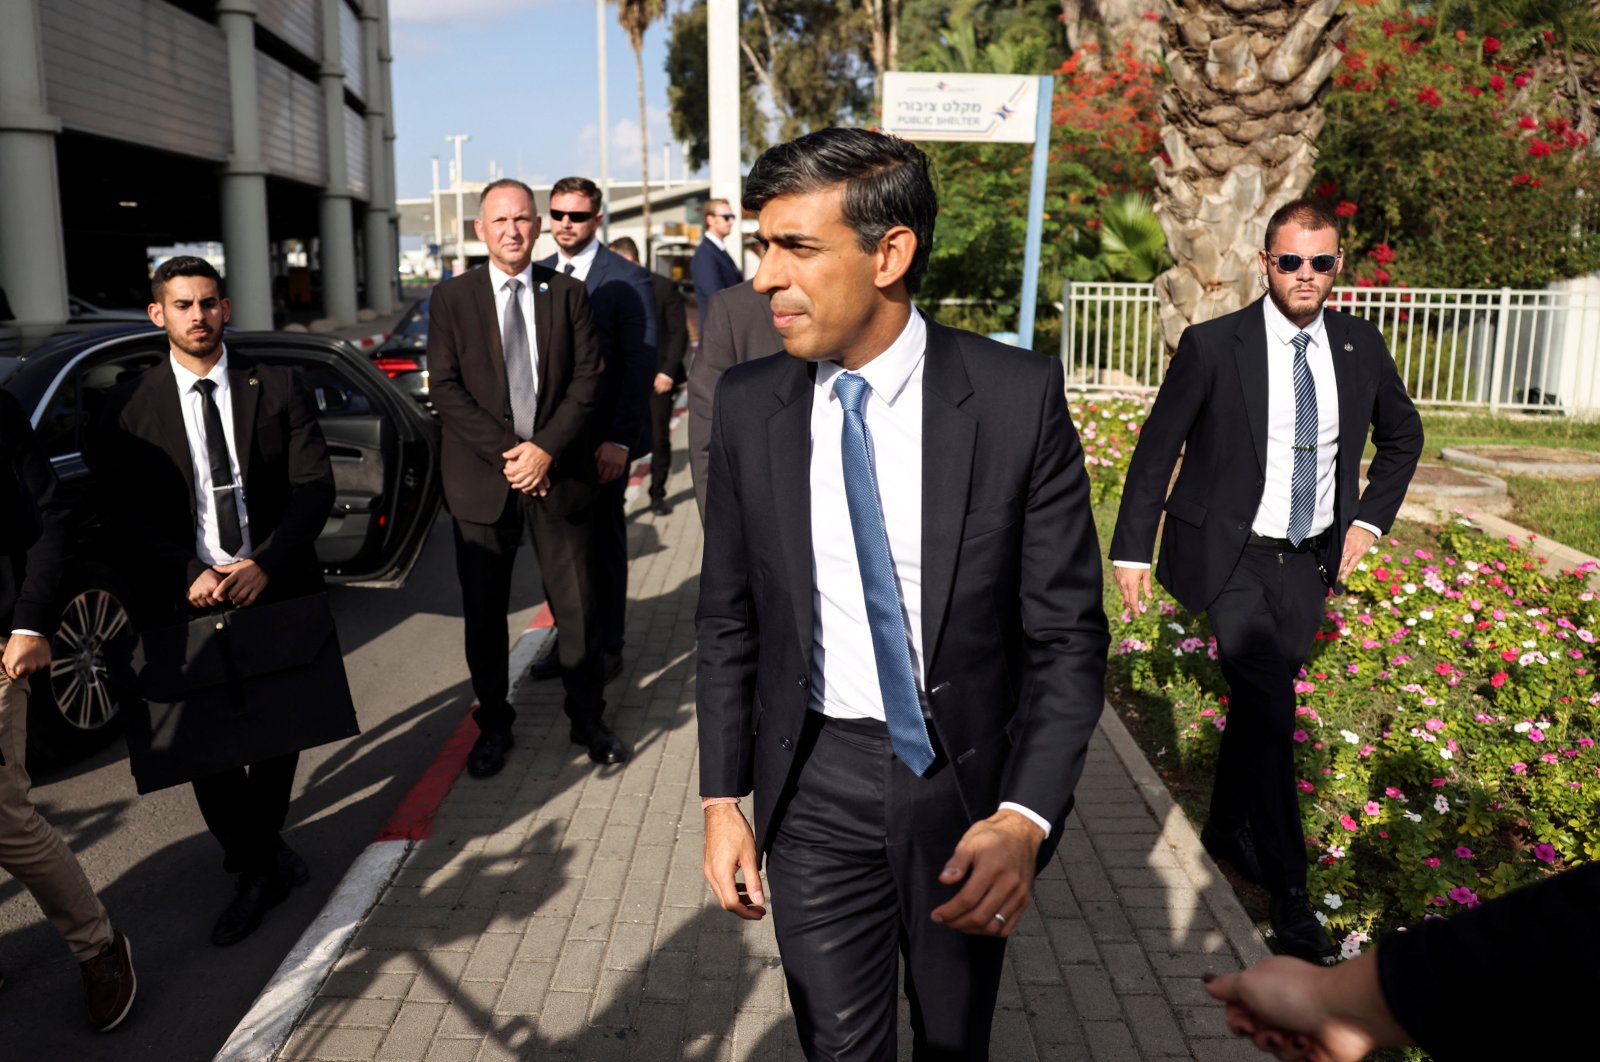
(1500, 349)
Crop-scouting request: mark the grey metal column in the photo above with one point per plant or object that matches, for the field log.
(383, 258)
(337, 238)
(386, 59)
(244, 179)
(33, 258)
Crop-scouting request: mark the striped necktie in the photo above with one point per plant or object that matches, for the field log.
(1303, 484)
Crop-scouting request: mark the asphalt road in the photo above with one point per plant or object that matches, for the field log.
(160, 873)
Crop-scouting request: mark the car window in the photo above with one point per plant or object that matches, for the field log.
(335, 394)
(89, 386)
(57, 430)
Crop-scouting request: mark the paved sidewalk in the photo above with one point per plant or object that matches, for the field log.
(558, 912)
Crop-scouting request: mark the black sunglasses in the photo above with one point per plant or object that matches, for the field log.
(579, 216)
(726, 217)
(1291, 263)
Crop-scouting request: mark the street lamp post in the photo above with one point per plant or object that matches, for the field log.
(605, 166)
(438, 221)
(461, 251)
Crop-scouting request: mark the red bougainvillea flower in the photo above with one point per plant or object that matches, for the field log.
(1497, 82)
(1430, 96)
(1345, 209)
(1526, 122)
(1521, 81)
(1539, 148)
(1325, 190)
(1382, 253)
(1490, 46)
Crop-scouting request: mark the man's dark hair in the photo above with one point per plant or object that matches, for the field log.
(886, 183)
(625, 245)
(506, 182)
(182, 265)
(578, 186)
(1308, 213)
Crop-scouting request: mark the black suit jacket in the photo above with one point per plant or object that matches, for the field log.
(673, 321)
(1014, 634)
(622, 305)
(712, 269)
(32, 527)
(1213, 406)
(143, 468)
(736, 327)
(467, 379)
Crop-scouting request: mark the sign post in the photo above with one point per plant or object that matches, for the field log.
(982, 108)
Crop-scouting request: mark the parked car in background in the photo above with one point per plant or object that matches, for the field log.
(84, 312)
(384, 452)
(403, 357)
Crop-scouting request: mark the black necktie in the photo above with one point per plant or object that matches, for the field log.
(570, 269)
(223, 497)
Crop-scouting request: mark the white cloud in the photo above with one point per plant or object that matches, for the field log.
(455, 10)
(623, 147)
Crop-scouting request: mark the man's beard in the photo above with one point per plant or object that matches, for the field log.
(1288, 311)
(196, 347)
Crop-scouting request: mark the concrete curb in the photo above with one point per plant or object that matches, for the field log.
(1179, 835)
(266, 1027)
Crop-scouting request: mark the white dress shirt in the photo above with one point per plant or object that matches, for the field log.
(208, 532)
(502, 300)
(844, 668)
(581, 262)
(1272, 515)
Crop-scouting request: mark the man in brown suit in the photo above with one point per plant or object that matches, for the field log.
(515, 370)
(738, 327)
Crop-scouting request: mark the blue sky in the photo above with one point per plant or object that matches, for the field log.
(519, 76)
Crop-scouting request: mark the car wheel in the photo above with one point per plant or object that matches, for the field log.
(76, 710)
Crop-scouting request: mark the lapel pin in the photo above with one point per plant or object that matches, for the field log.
(253, 381)
(1347, 346)
(544, 287)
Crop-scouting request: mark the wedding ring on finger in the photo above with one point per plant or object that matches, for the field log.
(998, 917)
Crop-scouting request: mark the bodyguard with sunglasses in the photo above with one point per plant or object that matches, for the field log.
(715, 264)
(1270, 407)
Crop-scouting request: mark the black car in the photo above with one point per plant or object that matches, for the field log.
(384, 452)
(403, 357)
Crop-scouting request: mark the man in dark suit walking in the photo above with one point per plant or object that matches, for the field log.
(716, 263)
(736, 327)
(32, 533)
(623, 308)
(673, 331)
(218, 478)
(515, 373)
(902, 647)
(1271, 406)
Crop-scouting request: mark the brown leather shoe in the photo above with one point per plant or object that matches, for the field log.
(109, 984)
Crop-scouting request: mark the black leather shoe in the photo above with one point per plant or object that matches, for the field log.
(1237, 848)
(291, 868)
(488, 753)
(604, 746)
(547, 665)
(258, 893)
(1296, 927)
(613, 665)
(660, 507)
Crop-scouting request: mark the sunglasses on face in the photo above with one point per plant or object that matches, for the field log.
(726, 217)
(577, 216)
(1291, 263)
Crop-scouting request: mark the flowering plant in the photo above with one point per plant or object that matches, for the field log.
(1446, 720)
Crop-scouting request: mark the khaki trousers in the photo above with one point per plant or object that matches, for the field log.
(31, 850)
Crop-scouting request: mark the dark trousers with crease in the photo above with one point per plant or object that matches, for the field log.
(485, 554)
(245, 810)
(854, 871)
(1265, 620)
(609, 541)
(661, 442)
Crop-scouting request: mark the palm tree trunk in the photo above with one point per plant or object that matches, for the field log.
(1241, 120)
(644, 149)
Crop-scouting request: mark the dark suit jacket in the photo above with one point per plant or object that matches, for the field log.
(712, 269)
(32, 527)
(1014, 634)
(622, 305)
(672, 317)
(142, 466)
(467, 379)
(1213, 405)
(737, 326)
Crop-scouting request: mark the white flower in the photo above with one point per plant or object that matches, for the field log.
(1176, 627)
(1333, 901)
(1411, 623)
(1410, 588)
(1336, 850)
(1523, 727)
(1529, 643)
(1350, 736)
(1426, 613)
(1322, 918)
(1440, 804)
(1471, 566)
(1446, 754)
(1412, 815)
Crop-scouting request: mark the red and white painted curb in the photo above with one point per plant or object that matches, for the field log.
(263, 1031)
(368, 342)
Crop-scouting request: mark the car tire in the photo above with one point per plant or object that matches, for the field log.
(77, 708)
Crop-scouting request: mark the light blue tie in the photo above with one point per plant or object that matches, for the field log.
(1303, 484)
(890, 645)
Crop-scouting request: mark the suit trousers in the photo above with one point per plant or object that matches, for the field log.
(661, 442)
(31, 850)
(854, 872)
(485, 554)
(245, 809)
(610, 544)
(1265, 620)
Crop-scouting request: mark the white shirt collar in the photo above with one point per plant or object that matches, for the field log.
(500, 276)
(580, 261)
(1284, 330)
(187, 379)
(888, 373)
